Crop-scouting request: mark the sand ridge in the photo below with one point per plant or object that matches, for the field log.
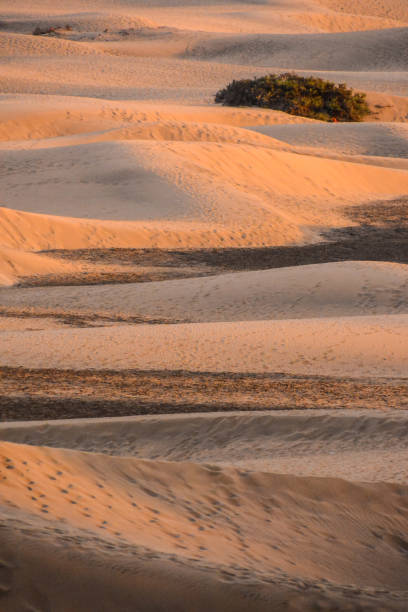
(16, 263)
(302, 443)
(322, 290)
(377, 50)
(195, 211)
(230, 282)
(383, 139)
(116, 495)
(338, 346)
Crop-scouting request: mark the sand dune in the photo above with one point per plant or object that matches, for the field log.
(83, 23)
(383, 139)
(172, 79)
(357, 445)
(207, 191)
(151, 130)
(18, 45)
(110, 76)
(45, 121)
(51, 135)
(121, 180)
(343, 22)
(15, 264)
(220, 516)
(291, 16)
(39, 117)
(372, 50)
(342, 346)
(115, 158)
(324, 290)
(126, 66)
(29, 231)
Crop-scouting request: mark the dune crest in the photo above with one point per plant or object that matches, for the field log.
(16, 263)
(121, 498)
(342, 288)
(213, 195)
(203, 310)
(343, 346)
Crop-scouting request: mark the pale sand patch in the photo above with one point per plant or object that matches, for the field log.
(374, 50)
(321, 290)
(382, 139)
(343, 346)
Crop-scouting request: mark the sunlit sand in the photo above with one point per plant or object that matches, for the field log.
(203, 310)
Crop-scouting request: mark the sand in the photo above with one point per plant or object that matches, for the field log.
(235, 529)
(341, 346)
(381, 140)
(203, 310)
(322, 290)
(312, 443)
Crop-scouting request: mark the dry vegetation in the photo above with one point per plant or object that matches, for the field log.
(305, 96)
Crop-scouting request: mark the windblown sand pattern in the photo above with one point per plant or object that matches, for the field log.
(203, 310)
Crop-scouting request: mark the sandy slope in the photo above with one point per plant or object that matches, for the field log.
(20, 45)
(358, 445)
(342, 346)
(34, 117)
(373, 50)
(180, 185)
(164, 79)
(128, 66)
(224, 523)
(125, 173)
(383, 139)
(110, 138)
(323, 290)
(271, 16)
(16, 263)
(181, 177)
(394, 9)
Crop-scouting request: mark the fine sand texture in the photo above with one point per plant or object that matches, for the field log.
(233, 534)
(203, 310)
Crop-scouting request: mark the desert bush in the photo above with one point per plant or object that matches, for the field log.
(53, 30)
(306, 96)
(38, 31)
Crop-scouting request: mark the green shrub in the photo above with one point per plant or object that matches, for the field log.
(306, 96)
